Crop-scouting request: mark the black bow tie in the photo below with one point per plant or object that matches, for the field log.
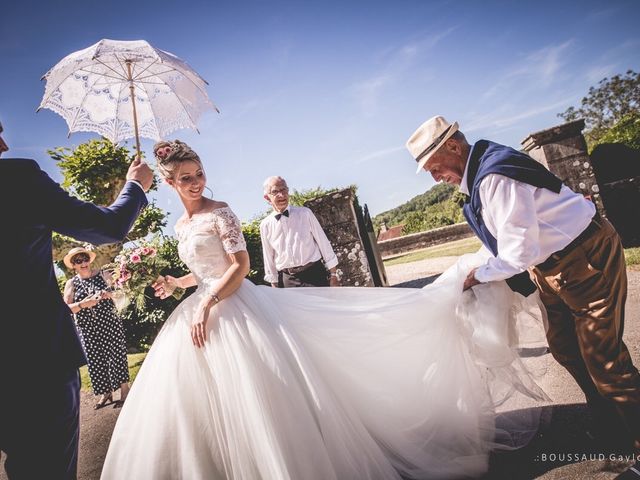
(285, 213)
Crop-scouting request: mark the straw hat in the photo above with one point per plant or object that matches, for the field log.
(75, 251)
(429, 137)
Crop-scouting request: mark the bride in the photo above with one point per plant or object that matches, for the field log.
(250, 382)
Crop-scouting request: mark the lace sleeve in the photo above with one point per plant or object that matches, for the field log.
(229, 230)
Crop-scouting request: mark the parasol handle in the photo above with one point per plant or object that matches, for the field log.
(133, 104)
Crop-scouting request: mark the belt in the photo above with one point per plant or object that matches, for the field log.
(296, 270)
(593, 227)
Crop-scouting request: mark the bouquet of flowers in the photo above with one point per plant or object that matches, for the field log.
(135, 269)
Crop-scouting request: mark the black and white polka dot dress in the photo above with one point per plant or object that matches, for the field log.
(102, 336)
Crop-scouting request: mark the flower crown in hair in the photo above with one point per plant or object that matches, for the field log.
(163, 152)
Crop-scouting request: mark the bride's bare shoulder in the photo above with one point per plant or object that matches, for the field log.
(213, 205)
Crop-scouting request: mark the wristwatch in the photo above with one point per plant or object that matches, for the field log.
(215, 298)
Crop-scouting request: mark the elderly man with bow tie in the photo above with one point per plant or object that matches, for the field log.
(296, 250)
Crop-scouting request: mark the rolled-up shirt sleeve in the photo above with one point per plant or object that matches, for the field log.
(509, 214)
(328, 255)
(268, 256)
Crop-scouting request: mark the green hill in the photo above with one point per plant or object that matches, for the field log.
(437, 207)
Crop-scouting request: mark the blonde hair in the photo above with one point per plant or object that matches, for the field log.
(170, 155)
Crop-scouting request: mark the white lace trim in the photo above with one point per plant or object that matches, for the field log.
(90, 90)
(221, 221)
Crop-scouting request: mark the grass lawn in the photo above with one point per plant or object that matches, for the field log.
(135, 362)
(455, 248)
(632, 255)
(472, 244)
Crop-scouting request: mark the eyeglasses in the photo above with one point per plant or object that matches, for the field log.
(78, 259)
(278, 191)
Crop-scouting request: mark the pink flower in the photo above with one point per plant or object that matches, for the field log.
(163, 152)
(135, 258)
(152, 251)
(125, 275)
(145, 251)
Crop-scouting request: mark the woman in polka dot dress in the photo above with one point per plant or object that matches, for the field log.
(100, 327)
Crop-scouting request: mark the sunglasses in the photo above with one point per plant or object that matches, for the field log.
(78, 259)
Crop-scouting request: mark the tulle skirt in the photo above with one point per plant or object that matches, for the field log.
(332, 383)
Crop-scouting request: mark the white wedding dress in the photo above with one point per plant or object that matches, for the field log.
(324, 383)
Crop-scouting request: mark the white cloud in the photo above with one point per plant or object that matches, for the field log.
(396, 61)
(600, 15)
(368, 92)
(379, 153)
(597, 73)
(610, 62)
(540, 68)
(254, 104)
(503, 121)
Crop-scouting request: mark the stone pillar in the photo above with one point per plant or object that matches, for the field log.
(336, 213)
(563, 150)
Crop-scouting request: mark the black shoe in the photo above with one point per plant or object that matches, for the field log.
(631, 473)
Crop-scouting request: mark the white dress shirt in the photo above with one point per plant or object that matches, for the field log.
(293, 241)
(529, 223)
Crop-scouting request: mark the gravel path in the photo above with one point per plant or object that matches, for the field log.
(418, 274)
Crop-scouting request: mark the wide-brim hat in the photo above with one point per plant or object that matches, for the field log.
(75, 251)
(429, 137)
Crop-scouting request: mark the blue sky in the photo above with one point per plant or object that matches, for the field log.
(326, 93)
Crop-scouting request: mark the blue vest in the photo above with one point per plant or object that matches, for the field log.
(491, 158)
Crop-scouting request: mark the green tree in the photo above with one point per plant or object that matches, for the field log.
(251, 232)
(300, 197)
(414, 222)
(437, 207)
(626, 131)
(612, 101)
(95, 171)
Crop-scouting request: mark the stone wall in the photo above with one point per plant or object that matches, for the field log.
(563, 150)
(336, 213)
(417, 241)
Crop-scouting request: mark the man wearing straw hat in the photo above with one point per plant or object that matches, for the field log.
(530, 221)
(39, 348)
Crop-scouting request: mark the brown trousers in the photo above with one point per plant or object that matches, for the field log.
(584, 293)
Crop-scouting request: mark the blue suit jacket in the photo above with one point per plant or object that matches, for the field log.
(36, 326)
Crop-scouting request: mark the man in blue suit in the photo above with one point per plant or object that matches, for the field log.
(40, 351)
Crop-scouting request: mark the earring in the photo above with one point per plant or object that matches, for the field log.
(211, 191)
